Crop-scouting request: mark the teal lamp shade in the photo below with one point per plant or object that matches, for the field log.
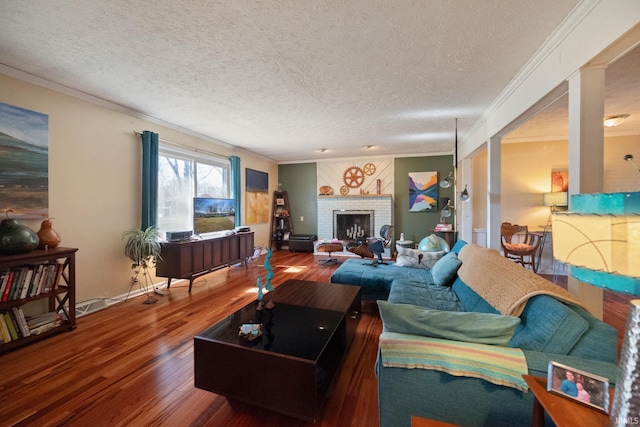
(600, 240)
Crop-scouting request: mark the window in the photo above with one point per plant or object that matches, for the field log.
(183, 175)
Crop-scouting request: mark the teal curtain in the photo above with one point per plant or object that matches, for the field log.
(149, 179)
(235, 186)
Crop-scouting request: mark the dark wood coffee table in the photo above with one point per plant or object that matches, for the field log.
(290, 367)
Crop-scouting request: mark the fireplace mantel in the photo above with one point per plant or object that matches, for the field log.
(353, 196)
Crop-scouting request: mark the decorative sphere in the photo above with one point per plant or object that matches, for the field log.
(16, 238)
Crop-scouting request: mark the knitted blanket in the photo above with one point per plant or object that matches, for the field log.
(505, 285)
(499, 365)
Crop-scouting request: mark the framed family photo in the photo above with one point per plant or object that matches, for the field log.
(580, 386)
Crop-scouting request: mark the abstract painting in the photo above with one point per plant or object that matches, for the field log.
(423, 191)
(257, 197)
(24, 156)
(559, 181)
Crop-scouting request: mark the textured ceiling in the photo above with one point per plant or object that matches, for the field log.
(284, 78)
(622, 96)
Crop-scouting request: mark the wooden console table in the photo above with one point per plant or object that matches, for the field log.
(562, 411)
(189, 259)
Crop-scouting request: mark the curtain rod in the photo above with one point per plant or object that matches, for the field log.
(197, 150)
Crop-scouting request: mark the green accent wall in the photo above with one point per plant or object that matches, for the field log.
(418, 225)
(299, 180)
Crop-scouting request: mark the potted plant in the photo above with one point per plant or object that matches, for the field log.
(143, 248)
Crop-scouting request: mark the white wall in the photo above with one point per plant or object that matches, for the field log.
(526, 174)
(94, 180)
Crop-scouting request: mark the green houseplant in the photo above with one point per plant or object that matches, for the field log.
(143, 248)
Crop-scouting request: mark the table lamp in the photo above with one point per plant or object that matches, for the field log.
(599, 238)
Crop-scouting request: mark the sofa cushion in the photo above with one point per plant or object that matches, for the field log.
(444, 271)
(416, 258)
(470, 300)
(458, 246)
(549, 326)
(459, 326)
(376, 281)
(424, 294)
(600, 342)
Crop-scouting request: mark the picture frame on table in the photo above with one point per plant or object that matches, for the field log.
(580, 386)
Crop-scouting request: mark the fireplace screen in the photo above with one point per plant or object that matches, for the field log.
(352, 225)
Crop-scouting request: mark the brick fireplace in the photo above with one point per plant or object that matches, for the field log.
(379, 207)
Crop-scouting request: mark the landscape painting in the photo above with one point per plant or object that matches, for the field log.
(24, 156)
(423, 191)
(257, 197)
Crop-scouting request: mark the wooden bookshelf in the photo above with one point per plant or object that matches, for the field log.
(60, 291)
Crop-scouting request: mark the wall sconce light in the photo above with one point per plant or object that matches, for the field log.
(446, 211)
(367, 147)
(464, 196)
(629, 158)
(322, 150)
(613, 121)
(448, 181)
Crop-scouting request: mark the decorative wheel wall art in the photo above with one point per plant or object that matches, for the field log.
(353, 177)
(369, 169)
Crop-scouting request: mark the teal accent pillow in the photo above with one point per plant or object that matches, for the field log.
(445, 271)
(481, 328)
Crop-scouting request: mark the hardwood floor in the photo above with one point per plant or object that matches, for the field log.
(132, 364)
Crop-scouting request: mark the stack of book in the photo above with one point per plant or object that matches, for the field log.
(15, 325)
(443, 227)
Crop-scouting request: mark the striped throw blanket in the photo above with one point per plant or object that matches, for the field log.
(498, 365)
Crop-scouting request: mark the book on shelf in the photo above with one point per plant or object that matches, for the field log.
(26, 282)
(29, 280)
(6, 285)
(13, 331)
(4, 330)
(21, 320)
(443, 227)
(43, 322)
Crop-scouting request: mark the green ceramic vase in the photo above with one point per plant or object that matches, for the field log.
(16, 238)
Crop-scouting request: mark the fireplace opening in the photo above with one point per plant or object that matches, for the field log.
(352, 225)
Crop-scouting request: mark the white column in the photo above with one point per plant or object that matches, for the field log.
(465, 209)
(586, 153)
(493, 193)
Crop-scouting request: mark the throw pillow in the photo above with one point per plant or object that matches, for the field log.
(445, 270)
(433, 243)
(416, 258)
(482, 328)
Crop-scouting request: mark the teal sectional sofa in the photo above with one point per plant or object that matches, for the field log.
(477, 309)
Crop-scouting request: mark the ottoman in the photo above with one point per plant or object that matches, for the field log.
(302, 242)
(329, 247)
